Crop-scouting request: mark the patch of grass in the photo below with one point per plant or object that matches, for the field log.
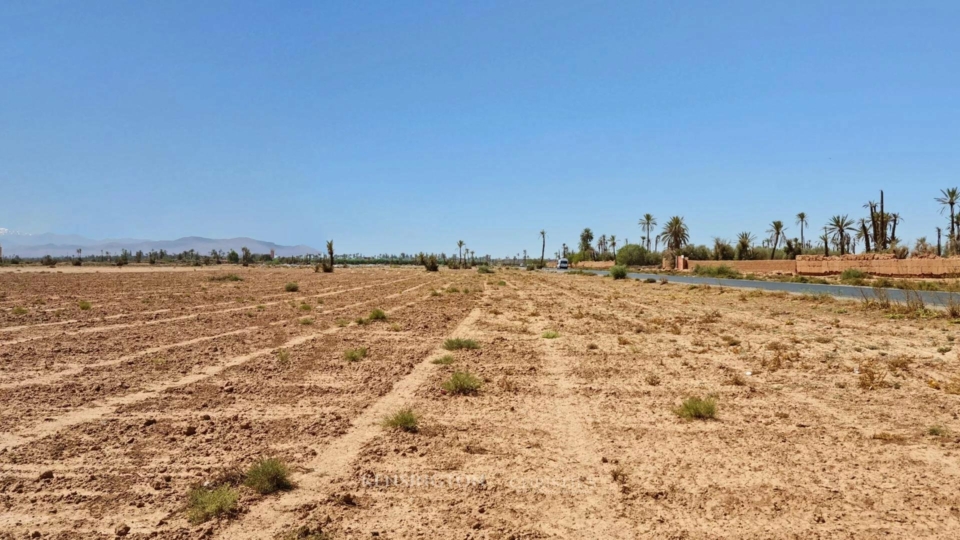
(84, 305)
(650, 280)
(618, 272)
(355, 355)
(502, 283)
(227, 277)
(395, 327)
(452, 289)
(455, 344)
(695, 408)
(306, 321)
(550, 334)
(306, 307)
(722, 271)
(444, 360)
(652, 379)
(291, 287)
(268, 476)
(19, 310)
(404, 420)
(462, 383)
(205, 504)
(484, 269)
(283, 356)
(378, 315)
(944, 350)
(342, 322)
(361, 321)
(853, 276)
(937, 431)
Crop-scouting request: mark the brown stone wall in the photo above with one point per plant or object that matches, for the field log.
(881, 267)
(753, 267)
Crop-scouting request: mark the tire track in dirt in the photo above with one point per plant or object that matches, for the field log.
(599, 511)
(11, 440)
(273, 515)
(98, 329)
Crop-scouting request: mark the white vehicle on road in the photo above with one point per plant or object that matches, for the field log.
(563, 264)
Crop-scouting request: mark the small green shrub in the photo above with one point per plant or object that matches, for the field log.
(283, 356)
(937, 431)
(444, 360)
(404, 420)
(455, 344)
(462, 383)
(291, 287)
(484, 269)
(268, 476)
(853, 275)
(84, 305)
(650, 280)
(722, 271)
(227, 277)
(502, 283)
(342, 322)
(378, 315)
(618, 272)
(306, 321)
(550, 334)
(355, 355)
(453, 290)
(19, 310)
(205, 503)
(305, 307)
(695, 408)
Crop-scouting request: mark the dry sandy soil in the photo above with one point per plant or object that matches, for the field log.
(171, 380)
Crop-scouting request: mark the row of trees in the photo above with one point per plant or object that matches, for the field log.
(876, 232)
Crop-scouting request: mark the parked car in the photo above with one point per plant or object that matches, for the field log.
(563, 264)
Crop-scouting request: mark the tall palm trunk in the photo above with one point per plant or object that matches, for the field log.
(953, 234)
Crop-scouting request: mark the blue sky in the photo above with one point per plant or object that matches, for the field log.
(406, 126)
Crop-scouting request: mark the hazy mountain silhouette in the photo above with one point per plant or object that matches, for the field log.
(58, 245)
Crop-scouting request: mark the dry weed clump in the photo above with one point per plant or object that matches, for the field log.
(206, 503)
(695, 408)
(873, 375)
(462, 383)
(404, 420)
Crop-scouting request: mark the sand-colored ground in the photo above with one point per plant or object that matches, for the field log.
(109, 415)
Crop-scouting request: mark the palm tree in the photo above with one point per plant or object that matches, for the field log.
(894, 220)
(776, 229)
(950, 198)
(647, 223)
(586, 238)
(613, 244)
(864, 233)
(939, 232)
(802, 222)
(543, 247)
(460, 245)
(840, 226)
(744, 241)
(675, 233)
(826, 242)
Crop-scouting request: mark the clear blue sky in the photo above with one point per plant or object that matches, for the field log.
(406, 126)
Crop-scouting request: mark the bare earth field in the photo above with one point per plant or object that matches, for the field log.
(122, 391)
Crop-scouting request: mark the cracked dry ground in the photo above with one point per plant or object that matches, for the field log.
(171, 379)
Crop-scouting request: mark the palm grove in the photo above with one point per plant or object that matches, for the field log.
(874, 232)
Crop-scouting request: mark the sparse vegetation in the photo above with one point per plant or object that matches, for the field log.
(444, 360)
(355, 355)
(226, 277)
(484, 269)
(268, 476)
(455, 344)
(84, 305)
(462, 383)
(721, 271)
(204, 504)
(695, 408)
(291, 287)
(404, 420)
(618, 272)
(550, 334)
(378, 315)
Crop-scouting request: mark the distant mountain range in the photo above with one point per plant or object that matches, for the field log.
(64, 245)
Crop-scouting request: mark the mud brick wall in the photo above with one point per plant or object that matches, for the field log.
(891, 267)
(752, 267)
